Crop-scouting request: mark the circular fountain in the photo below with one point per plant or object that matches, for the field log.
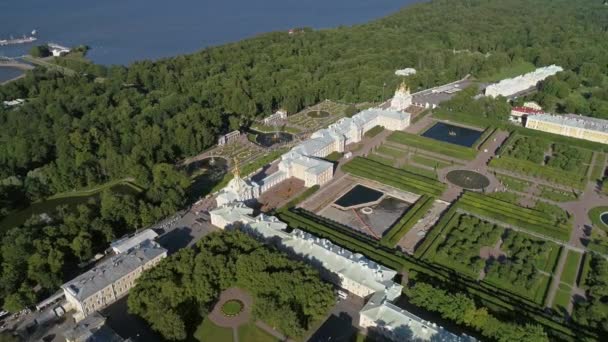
(468, 179)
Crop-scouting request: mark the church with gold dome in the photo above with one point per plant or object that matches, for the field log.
(402, 98)
(238, 189)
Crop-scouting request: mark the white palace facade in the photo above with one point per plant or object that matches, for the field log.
(512, 86)
(350, 271)
(304, 161)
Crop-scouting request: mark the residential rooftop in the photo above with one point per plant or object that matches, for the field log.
(573, 120)
(114, 268)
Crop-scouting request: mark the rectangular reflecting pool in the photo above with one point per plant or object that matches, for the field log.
(357, 196)
(453, 134)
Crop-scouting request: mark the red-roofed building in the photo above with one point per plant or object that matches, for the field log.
(517, 113)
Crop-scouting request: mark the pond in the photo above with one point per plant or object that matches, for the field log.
(604, 217)
(358, 196)
(468, 179)
(48, 207)
(208, 165)
(453, 134)
(209, 172)
(270, 139)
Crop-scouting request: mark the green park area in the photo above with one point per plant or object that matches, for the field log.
(507, 259)
(539, 157)
(398, 178)
(209, 331)
(230, 260)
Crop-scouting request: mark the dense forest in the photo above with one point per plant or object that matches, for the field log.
(175, 296)
(135, 122)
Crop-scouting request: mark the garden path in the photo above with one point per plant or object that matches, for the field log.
(557, 275)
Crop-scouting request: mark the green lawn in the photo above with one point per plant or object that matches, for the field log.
(374, 131)
(334, 156)
(419, 170)
(557, 195)
(513, 183)
(562, 298)
(390, 151)
(570, 270)
(209, 332)
(586, 267)
(251, 333)
(232, 307)
(594, 216)
(418, 159)
(380, 159)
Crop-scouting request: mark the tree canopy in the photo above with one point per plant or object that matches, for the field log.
(175, 296)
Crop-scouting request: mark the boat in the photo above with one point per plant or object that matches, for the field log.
(15, 41)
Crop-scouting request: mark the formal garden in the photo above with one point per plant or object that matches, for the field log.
(398, 178)
(539, 157)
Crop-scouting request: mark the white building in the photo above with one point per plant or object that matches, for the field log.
(398, 324)
(276, 117)
(405, 72)
(12, 103)
(402, 98)
(512, 86)
(124, 244)
(238, 189)
(228, 138)
(350, 271)
(571, 125)
(58, 50)
(303, 161)
(111, 280)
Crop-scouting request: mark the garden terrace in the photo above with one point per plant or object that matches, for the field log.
(524, 271)
(509, 213)
(394, 177)
(462, 240)
(433, 145)
(527, 168)
(535, 156)
(407, 221)
(495, 298)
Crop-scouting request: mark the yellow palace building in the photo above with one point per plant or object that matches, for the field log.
(576, 126)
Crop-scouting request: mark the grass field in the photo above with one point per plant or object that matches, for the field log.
(594, 216)
(418, 159)
(208, 331)
(556, 195)
(570, 270)
(420, 171)
(390, 151)
(562, 298)
(513, 183)
(585, 268)
(251, 333)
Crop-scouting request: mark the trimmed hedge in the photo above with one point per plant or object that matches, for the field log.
(509, 213)
(398, 178)
(570, 270)
(407, 221)
(374, 131)
(497, 299)
(433, 145)
(597, 172)
(528, 168)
